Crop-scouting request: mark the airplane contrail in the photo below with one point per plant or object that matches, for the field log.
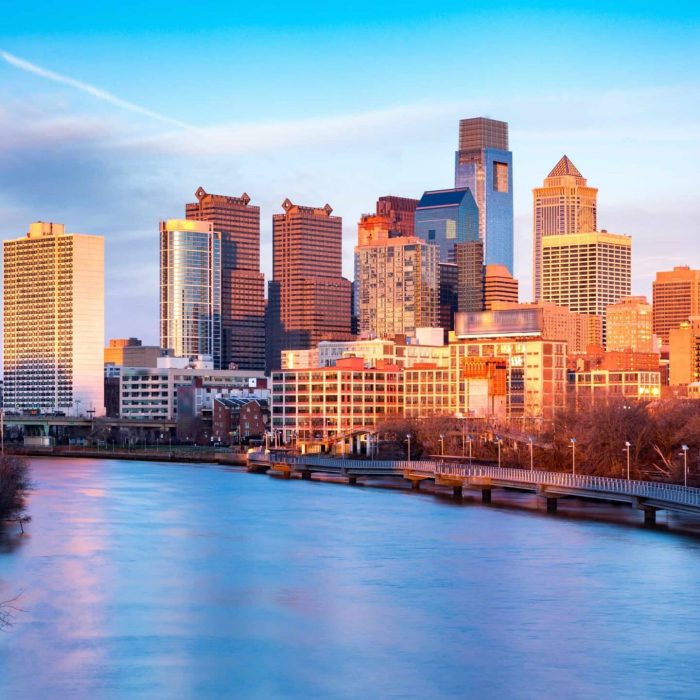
(89, 89)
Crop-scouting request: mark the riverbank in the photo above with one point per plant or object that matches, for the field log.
(185, 456)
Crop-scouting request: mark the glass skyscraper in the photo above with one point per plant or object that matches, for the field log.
(484, 164)
(190, 289)
(446, 217)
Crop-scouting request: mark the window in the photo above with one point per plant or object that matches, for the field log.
(500, 177)
(431, 234)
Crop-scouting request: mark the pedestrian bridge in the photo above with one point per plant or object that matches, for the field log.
(647, 496)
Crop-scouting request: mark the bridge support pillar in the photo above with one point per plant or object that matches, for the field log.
(551, 505)
(649, 516)
(457, 493)
(486, 495)
(306, 475)
(352, 480)
(415, 484)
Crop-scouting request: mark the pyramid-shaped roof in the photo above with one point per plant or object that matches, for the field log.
(564, 167)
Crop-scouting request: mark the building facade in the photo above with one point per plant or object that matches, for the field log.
(401, 212)
(309, 299)
(447, 217)
(242, 283)
(470, 276)
(586, 272)
(321, 403)
(132, 353)
(564, 204)
(53, 316)
(484, 164)
(676, 297)
(684, 353)
(397, 286)
(499, 286)
(190, 289)
(629, 325)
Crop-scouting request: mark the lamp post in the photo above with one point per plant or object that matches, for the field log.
(498, 442)
(685, 464)
(532, 460)
(408, 437)
(442, 445)
(469, 437)
(573, 455)
(628, 444)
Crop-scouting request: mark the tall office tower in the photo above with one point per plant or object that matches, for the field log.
(446, 217)
(629, 325)
(676, 297)
(401, 212)
(564, 204)
(586, 272)
(470, 276)
(449, 296)
(53, 313)
(499, 285)
(684, 352)
(190, 289)
(309, 299)
(484, 164)
(242, 283)
(398, 286)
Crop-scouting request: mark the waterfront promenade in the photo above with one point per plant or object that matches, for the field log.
(646, 496)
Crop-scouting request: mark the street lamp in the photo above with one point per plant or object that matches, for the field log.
(628, 444)
(573, 455)
(442, 445)
(408, 437)
(685, 464)
(498, 442)
(470, 438)
(532, 461)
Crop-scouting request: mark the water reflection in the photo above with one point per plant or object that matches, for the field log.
(177, 581)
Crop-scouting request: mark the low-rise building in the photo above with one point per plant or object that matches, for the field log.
(237, 419)
(603, 385)
(319, 403)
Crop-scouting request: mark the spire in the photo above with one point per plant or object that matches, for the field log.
(564, 167)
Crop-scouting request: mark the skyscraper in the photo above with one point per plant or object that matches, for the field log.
(242, 283)
(309, 299)
(446, 217)
(676, 297)
(484, 164)
(397, 284)
(586, 272)
(499, 285)
(190, 289)
(53, 312)
(628, 325)
(401, 212)
(564, 204)
(470, 276)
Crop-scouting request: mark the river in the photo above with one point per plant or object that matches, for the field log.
(149, 580)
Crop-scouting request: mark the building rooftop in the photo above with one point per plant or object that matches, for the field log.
(442, 198)
(564, 167)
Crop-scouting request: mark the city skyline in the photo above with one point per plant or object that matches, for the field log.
(85, 159)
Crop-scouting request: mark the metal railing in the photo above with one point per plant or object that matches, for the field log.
(668, 493)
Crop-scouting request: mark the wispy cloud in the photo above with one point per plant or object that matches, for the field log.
(96, 92)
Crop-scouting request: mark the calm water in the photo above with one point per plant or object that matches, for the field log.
(180, 581)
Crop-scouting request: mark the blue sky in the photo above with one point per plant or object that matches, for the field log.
(339, 104)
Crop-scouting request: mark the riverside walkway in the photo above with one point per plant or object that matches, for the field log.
(647, 496)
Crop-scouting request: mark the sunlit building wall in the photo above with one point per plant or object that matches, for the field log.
(564, 204)
(190, 289)
(602, 385)
(499, 285)
(484, 164)
(320, 403)
(586, 272)
(676, 297)
(53, 314)
(684, 352)
(629, 325)
(397, 286)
